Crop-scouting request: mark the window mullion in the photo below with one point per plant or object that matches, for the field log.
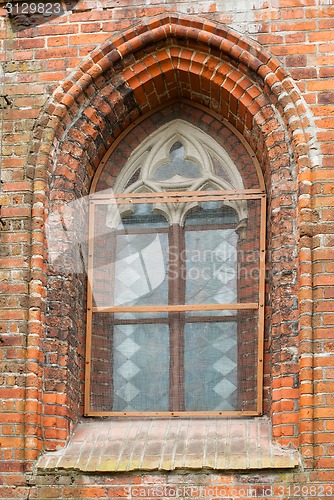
(176, 296)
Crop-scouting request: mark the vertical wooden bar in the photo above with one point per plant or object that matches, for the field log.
(240, 388)
(89, 316)
(262, 277)
(176, 379)
(182, 314)
(111, 332)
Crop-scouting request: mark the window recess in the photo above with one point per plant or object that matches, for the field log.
(176, 301)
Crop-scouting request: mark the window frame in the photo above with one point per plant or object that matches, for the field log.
(180, 197)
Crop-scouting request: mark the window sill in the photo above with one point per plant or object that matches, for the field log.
(165, 444)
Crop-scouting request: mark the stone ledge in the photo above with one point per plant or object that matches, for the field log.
(165, 444)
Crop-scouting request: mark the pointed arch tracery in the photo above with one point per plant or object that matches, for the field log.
(208, 163)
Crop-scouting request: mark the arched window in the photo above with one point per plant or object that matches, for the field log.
(176, 282)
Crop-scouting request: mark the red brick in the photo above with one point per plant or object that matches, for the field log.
(293, 30)
(86, 39)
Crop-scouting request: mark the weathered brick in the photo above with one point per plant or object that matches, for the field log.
(40, 54)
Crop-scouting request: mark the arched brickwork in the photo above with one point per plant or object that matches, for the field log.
(165, 58)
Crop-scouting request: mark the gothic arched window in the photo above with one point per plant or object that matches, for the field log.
(176, 282)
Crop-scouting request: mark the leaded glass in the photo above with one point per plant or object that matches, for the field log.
(178, 167)
(130, 260)
(211, 366)
(141, 367)
(141, 269)
(211, 256)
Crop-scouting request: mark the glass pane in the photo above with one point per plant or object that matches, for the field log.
(134, 178)
(130, 257)
(212, 213)
(248, 252)
(211, 255)
(101, 386)
(222, 253)
(129, 364)
(220, 169)
(211, 267)
(140, 270)
(220, 362)
(211, 366)
(248, 331)
(178, 168)
(141, 367)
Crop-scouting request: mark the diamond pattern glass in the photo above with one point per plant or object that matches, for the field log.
(141, 367)
(211, 366)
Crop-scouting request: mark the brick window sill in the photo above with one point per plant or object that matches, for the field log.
(165, 444)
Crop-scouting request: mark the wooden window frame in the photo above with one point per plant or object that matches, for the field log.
(177, 197)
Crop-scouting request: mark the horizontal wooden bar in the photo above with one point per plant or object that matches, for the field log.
(150, 230)
(177, 308)
(164, 320)
(172, 414)
(210, 227)
(170, 195)
(139, 230)
(180, 193)
(189, 199)
(142, 321)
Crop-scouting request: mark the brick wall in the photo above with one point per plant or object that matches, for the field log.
(62, 111)
(200, 485)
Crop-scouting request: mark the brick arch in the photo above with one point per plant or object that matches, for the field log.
(129, 75)
(206, 57)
